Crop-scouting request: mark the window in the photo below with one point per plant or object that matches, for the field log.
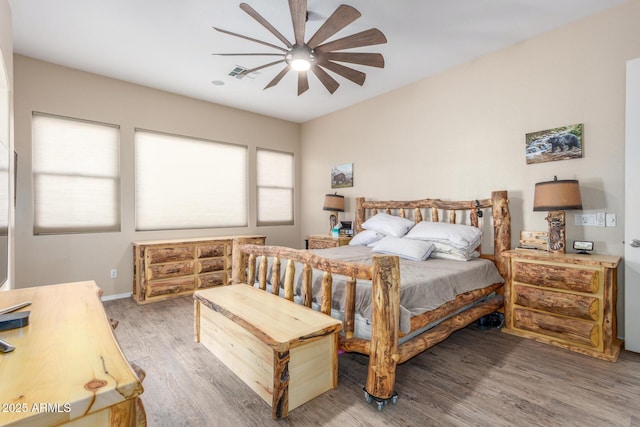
(76, 175)
(275, 187)
(184, 182)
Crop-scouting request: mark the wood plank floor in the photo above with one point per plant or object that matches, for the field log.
(480, 378)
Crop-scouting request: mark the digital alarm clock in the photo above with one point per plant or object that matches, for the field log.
(582, 246)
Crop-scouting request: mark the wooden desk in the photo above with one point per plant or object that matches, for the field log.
(67, 368)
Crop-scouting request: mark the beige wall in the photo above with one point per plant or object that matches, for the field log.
(44, 87)
(460, 134)
(6, 123)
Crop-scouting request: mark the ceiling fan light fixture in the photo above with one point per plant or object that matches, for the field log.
(300, 58)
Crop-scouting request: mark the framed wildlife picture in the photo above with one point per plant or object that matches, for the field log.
(561, 143)
(342, 176)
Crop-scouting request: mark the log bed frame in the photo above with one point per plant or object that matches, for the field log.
(383, 349)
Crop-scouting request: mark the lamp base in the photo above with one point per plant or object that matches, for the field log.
(333, 221)
(557, 239)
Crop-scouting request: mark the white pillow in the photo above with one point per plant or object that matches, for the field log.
(414, 250)
(389, 225)
(461, 236)
(447, 251)
(366, 237)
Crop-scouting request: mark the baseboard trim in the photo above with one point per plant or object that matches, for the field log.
(116, 296)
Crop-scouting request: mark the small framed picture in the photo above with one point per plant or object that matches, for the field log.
(342, 176)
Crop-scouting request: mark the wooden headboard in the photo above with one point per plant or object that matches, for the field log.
(452, 212)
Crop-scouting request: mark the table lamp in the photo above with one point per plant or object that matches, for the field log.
(334, 203)
(557, 196)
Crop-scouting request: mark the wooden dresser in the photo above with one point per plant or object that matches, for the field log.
(322, 241)
(165, 269)
(67, 368)
(567, 300)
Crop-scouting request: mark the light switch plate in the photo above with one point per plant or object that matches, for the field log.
(600, 219)
(610, 219)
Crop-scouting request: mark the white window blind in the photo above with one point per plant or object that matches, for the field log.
(76, 175)
(184, 182)
(275, 187)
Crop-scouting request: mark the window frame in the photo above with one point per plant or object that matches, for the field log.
(140, 228)
(260, 223)
(116, 226)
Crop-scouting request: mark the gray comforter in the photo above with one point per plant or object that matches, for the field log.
(425, 285)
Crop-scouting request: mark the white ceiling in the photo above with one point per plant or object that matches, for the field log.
(168, 44)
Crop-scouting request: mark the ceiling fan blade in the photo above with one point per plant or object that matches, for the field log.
(248, 54)
(365, 38)
(250, 39)
(340, 18)
(360, 58)
(329, 82)
(277, 78)
(346, 72)
(298, 10)
(252, 70)
(303, 82)
(255, 15)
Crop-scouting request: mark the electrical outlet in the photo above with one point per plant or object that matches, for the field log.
(600, 219)
(114, 273)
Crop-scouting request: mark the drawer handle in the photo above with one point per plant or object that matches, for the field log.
(552, 328)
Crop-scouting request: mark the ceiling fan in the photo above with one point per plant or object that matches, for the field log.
(315, 54)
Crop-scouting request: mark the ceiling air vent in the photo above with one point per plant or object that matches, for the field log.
(239, 72)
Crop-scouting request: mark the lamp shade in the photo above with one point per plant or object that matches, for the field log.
(557, 195)
(333, 202)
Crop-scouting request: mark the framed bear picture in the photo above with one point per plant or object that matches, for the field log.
(562, 143)
(342, 176)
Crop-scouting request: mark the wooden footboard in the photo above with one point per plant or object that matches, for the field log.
(250, 266)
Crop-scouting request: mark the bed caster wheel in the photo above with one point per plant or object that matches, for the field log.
(380, 402)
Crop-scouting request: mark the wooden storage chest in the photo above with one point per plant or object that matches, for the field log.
(165, 269)
(286, 353)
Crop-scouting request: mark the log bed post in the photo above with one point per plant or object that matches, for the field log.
(385, 318)
(238, 261)
(502, 230)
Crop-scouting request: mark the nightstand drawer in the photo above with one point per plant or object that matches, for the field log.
(322, 244)
(569, 330)
(579, 306)
(557, 276)
(321, 241)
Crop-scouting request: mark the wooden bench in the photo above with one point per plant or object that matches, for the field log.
(285, 352)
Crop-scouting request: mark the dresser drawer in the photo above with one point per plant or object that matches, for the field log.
(175, 253)
(566, 329)
(212, 279)
(210, 251)
(171, 287)
(567, 304)
(557, 276)
(211, 264)
(160, 271)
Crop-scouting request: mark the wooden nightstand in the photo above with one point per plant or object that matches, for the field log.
(322, 241)
(566, 300)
